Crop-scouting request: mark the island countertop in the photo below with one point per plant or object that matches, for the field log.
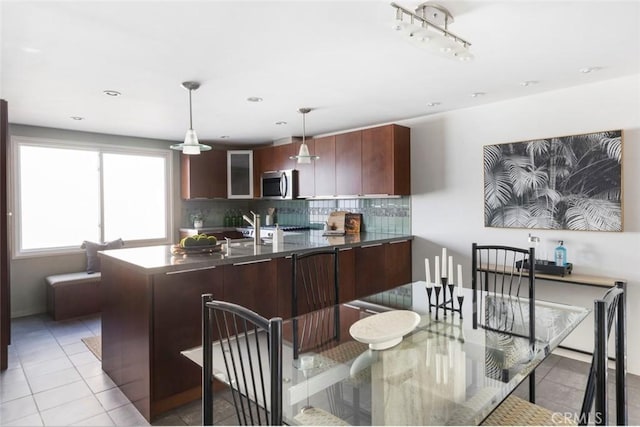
(160, 259)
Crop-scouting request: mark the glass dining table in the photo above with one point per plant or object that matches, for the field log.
(448, 370)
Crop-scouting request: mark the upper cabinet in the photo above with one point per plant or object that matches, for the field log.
(204, 176)
(240, 174)
(369, 162)
(349, 163)
(276, 158)
(386, 164)
(325, 166)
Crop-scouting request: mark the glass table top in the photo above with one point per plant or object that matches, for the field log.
(444, 372)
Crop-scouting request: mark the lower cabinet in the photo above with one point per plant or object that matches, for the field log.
(283, 277)
(382, 266)
(347, 274)
(253, 285)
(177, 327)
(148, 319)
(177, 318)
(398, 263)
(370, 269)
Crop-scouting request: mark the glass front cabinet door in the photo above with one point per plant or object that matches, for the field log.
(240, 174)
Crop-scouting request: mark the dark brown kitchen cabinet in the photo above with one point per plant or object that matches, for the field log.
(306, 171)
(267, 159)
(282, 154)
(386, 165)
(176, 326)
(204, 176)
(325, 166)
(283, 278)
(398, 263)
(382, 266)
(257, 172)
(347, 274)
(348, 163)
(253, 285)
(276, 157)
(371, 269)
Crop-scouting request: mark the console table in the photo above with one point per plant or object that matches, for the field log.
(582, 279)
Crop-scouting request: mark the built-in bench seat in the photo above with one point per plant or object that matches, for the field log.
(73, 295)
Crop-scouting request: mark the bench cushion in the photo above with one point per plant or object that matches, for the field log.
(72, 278)
(73, 294)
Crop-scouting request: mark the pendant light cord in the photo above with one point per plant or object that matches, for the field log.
(304, 125)
(190, 112)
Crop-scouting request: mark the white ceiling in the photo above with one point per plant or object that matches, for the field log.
(340, 58)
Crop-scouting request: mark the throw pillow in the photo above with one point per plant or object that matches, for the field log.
(92, 248)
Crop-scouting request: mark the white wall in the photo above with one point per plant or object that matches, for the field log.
(447, 183)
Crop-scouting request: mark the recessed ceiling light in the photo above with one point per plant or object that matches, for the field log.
(28, 49)
(280, 123)
(254, 99)
(588, 70)
(528, 83)
(76, 118)
(113, 93)
(477, 94)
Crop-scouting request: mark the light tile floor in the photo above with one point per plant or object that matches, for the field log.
(54, 380)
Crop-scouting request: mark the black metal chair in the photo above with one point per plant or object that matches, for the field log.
(251, 347)
(314, 286)
(315, 290)
(502, 273)
(515, 411)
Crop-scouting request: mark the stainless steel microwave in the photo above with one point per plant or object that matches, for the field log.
(282, 185)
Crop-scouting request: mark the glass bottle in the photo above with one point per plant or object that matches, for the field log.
(227, 219)
(560, 257)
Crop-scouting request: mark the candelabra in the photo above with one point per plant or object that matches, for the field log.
(448, 302)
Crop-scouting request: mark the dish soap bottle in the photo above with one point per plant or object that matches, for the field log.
(561, 254)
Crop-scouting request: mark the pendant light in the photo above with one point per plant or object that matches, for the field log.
(303, 156)
(191, 144)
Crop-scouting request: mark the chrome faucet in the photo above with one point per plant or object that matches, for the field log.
(256, 226)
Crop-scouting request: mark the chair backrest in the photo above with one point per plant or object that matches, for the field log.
(606, 310)
(250, 347)
(314, 287)
(314, 280)
(503, 273)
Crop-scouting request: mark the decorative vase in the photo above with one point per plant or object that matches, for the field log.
(198, 223)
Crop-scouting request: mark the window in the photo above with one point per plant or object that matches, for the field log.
(67, 193)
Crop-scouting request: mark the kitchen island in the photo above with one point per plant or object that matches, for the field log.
(151, 301)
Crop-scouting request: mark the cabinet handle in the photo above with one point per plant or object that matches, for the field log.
(345, 249)
(168, 273)
(398, 241)
(371, 246)
(253, 262)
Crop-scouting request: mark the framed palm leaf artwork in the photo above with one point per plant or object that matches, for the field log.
(563, 183)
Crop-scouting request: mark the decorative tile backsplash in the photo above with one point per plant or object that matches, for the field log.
(387, 215)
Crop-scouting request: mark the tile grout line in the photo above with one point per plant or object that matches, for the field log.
(51, 332)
